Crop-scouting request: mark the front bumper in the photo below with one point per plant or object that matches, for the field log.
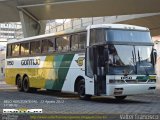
(129, 89)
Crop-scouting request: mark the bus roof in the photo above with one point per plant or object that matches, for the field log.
(49, 35)
(118, 26)
(112, 26)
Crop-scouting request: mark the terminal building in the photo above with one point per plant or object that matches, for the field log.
(12, 30)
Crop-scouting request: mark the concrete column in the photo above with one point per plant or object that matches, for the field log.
(31, 26)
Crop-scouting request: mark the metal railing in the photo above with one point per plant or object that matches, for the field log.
(52, 26)
(74, 23)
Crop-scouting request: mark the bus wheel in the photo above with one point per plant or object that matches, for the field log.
(19, 84)
(119, 98)
(81, 91)
(26, 84)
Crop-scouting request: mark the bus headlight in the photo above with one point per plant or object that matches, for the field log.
(118, 91)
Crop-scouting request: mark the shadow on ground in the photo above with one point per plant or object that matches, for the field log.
(129, 100)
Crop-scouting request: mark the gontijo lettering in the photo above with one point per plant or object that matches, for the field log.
(30, 62)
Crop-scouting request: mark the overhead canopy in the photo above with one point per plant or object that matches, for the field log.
(56, 9)
(152, 22)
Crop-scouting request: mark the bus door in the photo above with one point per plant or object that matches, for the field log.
(95, 68)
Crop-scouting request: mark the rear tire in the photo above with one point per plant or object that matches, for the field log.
(26, 86)
(81, 91)
(19, 84)
(120, 98)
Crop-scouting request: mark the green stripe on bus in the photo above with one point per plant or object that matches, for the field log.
(62, 65)
(62, 71)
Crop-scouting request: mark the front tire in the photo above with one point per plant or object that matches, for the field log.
(81, 91)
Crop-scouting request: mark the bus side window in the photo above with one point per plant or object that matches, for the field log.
(44, 46)
(100, 36)
(9, 50)
(66, 43)
(92, 37)
(97, 36)
(24, 49)
(82, 40)
(59, 44)
(74, 42)
(15, 49)
(51, 45)
(35, 47)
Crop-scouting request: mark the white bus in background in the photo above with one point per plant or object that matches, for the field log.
(100, 60)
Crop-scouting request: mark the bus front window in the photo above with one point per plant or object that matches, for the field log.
(128, 36)
(121, 59)
(143, 60)
(125, 59)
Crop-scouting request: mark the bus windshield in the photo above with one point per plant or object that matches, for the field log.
(144, 61)
(127, 35)
(125, 59)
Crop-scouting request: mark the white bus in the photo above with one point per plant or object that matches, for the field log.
(100, 60)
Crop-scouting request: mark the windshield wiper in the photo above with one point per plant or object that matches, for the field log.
(134, 60)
